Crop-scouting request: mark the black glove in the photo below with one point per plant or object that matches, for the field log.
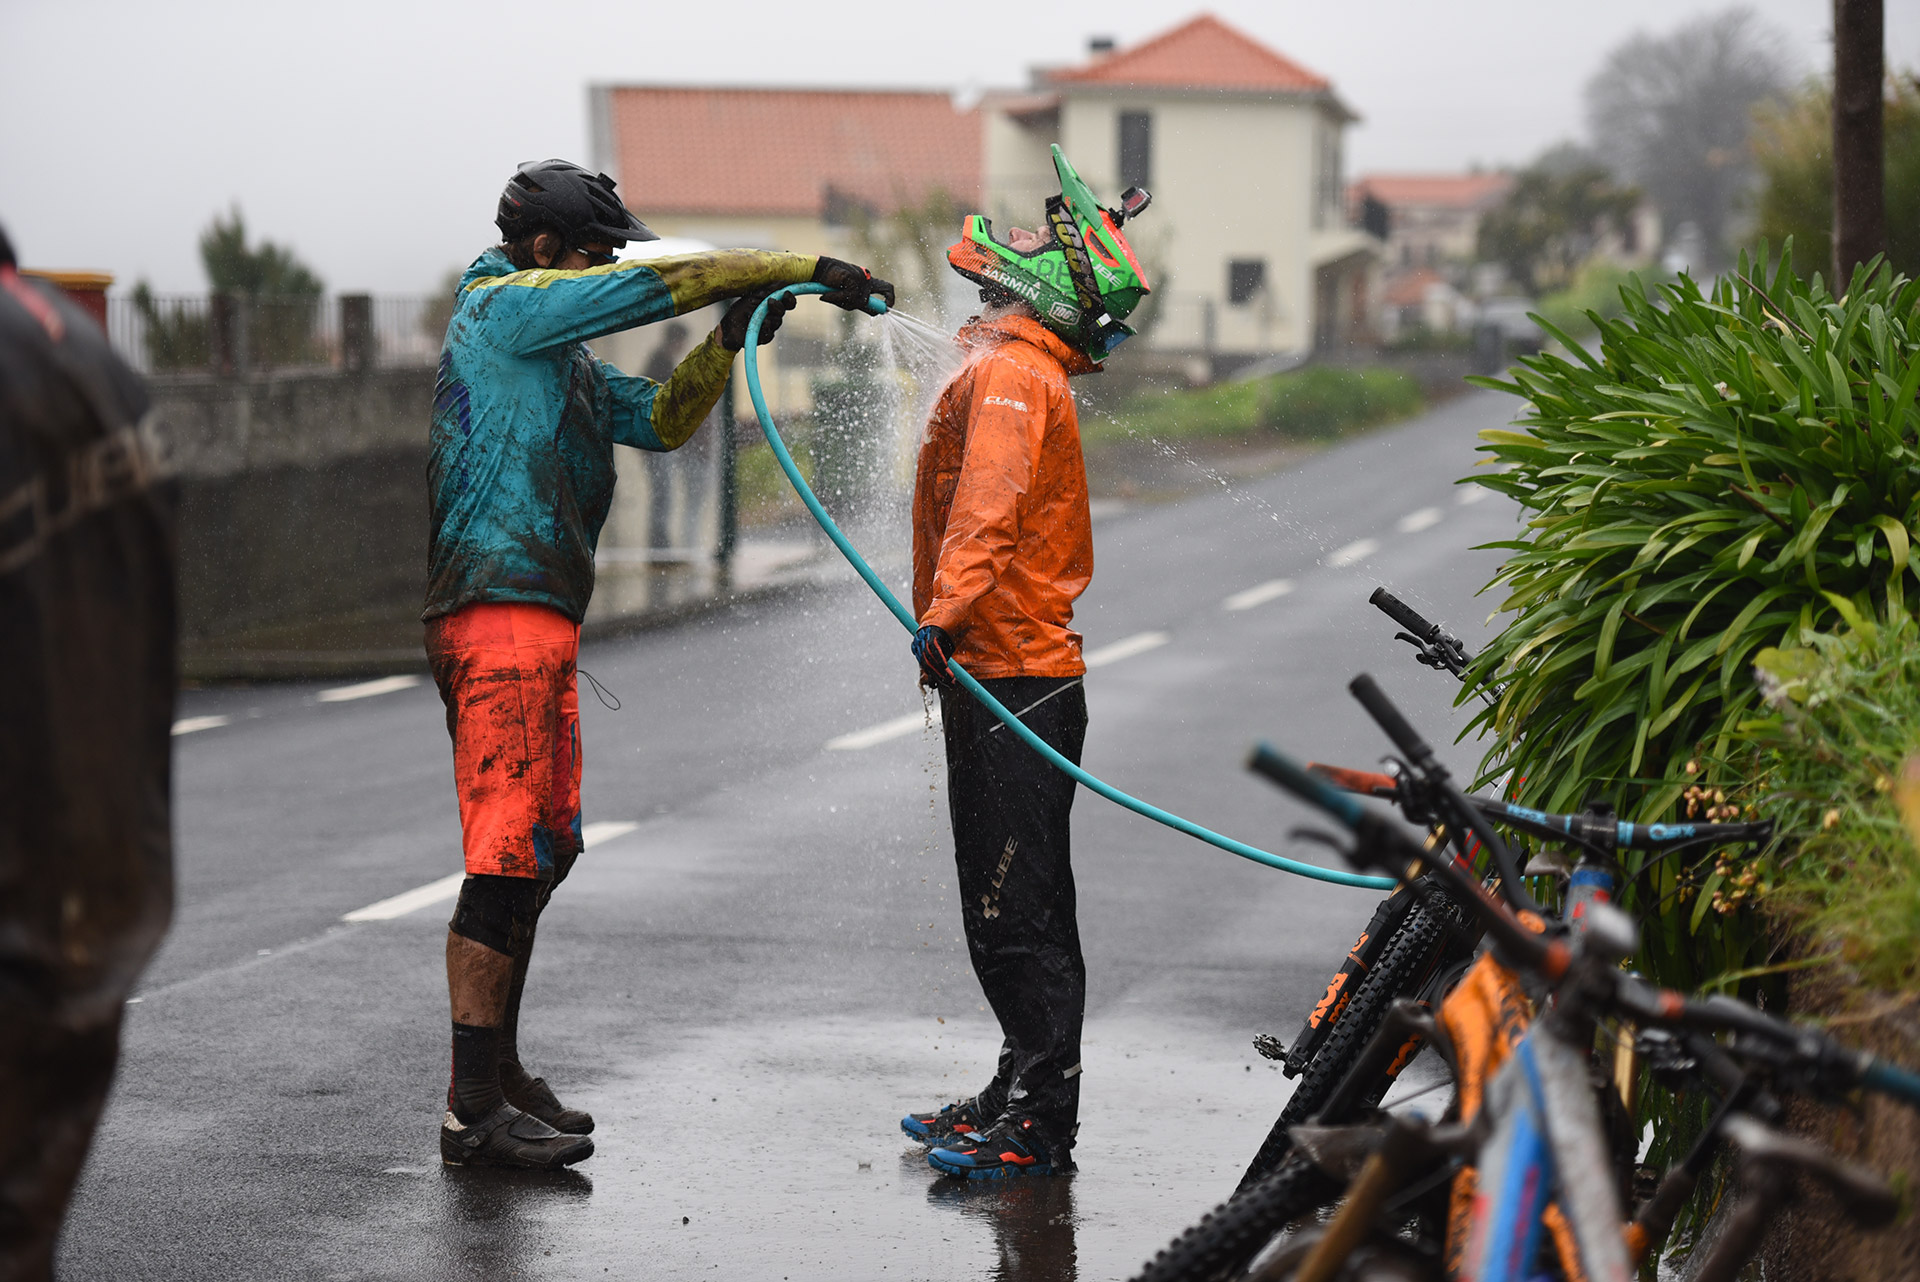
(733, 326)
(849, 285)
(934, 649)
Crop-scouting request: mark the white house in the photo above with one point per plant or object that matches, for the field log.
(1247, 244)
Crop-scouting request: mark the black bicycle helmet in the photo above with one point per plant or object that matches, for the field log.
(555, 195)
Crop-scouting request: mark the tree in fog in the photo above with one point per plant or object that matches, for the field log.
(280, 293)
(1671, 114)
(1793, 144)
(1558, 212)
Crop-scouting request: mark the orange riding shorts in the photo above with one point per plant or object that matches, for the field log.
(506, 673)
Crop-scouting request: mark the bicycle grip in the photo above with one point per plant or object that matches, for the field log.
(1891, 1079)
(1276, 768)
(1398, 728)
(1402, 613)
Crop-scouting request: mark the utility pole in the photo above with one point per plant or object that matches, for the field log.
(1859, 154)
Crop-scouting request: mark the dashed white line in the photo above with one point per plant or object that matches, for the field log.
(1425, 519)
(368, 689)
(1358, 550)
(1138, 643)
(899, 727)
(886, 730)
(1471, 494)
(606, 830)
(447, 887)
(411, 901)
(187, 725)
(1271, 590)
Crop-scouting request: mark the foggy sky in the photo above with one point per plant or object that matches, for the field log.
(374, 137)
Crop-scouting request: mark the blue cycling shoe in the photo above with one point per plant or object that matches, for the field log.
(1009, 1149)
(958, 1120)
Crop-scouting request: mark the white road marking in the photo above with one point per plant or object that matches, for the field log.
(1126, 648)
(1358, 550)
(411, 901)
(187, 725)
(901, 726)
(367, 689)
(1271, 590)
(1425, 519)
(606, 830)
(447, 887)
(886, 730)
(1471, 494)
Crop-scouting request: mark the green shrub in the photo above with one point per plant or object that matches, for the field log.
(1316, 403)
(1726, 472)
(1839, 762)
(1595, 289)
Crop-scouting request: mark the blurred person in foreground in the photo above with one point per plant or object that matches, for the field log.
(86, 716)
(1002, 547)
(520, 477)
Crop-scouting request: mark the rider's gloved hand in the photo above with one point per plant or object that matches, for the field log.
(934, 650)
(849, 285)
(733, 326)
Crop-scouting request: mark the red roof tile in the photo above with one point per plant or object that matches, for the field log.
(778, 151)
(1204, 53)
(1458, 191)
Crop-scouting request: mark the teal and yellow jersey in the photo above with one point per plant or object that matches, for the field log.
(525, 418)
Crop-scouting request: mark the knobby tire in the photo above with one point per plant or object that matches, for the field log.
(1398, 973)
(1219, 1246)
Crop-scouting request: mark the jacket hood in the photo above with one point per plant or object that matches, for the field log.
(494, 262)
(1015, 327)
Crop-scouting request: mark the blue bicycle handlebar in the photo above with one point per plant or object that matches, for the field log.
(877, 306)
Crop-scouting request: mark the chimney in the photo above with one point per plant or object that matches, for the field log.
(1099, 47)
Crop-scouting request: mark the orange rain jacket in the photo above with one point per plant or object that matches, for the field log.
(1002, 540)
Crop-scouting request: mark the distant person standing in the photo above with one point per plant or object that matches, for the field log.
(520, 477)
(86, 715)
(662, 468)
(1002, 548)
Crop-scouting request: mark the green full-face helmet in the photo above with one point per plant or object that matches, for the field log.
(1084, 281)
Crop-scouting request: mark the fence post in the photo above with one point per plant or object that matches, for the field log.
(729, 490)
(223, 333)
(356, 332)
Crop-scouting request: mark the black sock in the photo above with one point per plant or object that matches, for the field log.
(512, 1075)
(475, 1091)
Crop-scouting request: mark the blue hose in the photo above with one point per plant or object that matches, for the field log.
(966, 679)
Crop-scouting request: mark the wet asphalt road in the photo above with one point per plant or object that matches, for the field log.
(751, 983)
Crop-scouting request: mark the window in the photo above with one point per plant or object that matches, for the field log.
(1136, 149)
(1245, 278)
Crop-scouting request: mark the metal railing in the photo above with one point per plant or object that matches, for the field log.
(239, 334)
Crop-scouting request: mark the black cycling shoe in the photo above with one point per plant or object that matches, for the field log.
(1011, 1148)
(509, 1137)
(958, 1119)
(536, 1099)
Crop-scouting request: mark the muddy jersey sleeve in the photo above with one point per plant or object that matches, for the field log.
(537, 311)
(1008, 420)
(662, 416)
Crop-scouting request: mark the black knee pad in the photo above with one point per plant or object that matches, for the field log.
(497, 912)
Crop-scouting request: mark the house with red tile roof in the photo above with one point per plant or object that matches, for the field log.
(1247, 243)
(1427, 220)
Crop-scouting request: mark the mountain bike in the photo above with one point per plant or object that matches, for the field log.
(1536, 1143)
(1416, 946)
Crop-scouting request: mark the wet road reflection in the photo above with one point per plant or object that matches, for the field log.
(497, 1223)
(1032, 1222)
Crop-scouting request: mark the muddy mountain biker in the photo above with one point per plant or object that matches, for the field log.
(520, 480)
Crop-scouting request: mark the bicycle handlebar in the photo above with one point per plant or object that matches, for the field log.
(1591, 831)
(1380, 844)
(1404, 615)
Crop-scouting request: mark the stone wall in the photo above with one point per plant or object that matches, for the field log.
(303, 523)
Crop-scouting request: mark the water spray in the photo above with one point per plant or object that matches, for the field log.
(966, 679)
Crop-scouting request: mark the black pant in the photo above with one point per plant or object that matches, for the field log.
(1011, 842)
